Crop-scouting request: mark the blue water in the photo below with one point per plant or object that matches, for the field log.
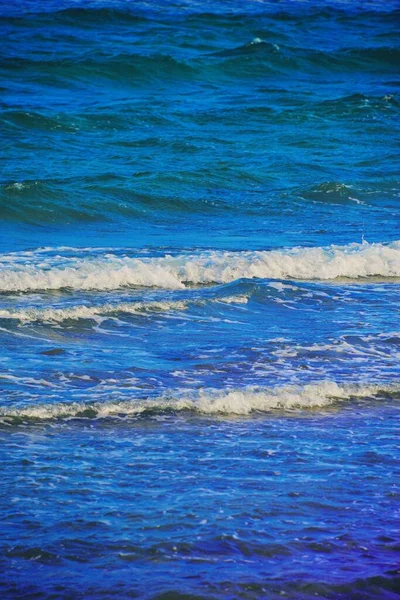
(199, 299)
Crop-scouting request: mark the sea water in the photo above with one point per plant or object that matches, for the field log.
(199, 299)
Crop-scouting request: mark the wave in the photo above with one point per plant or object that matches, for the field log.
(210, 402)
(55, 201)
(99, 313)
(336, 193)
(254, 59)
(129, 68)
(259, 57)
(45, 201)
(34, 120)
(382, 58)
(126, 13)
(57, 315)
(81, 15)
(357, 105)
(41, 202)
(252, 47)
(331, 192)
(374, 193)
(73, 16)
(177, 272)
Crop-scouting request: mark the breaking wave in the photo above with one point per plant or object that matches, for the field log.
(209, 402)
(109, 271)
(74, 313)
(57, 315)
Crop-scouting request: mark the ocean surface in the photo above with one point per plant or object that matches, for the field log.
(199, 299)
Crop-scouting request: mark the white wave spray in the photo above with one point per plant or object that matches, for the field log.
(209, 402)
(102, 311)
(175, 272)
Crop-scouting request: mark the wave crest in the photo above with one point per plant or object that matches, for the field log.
(104, 311)
(209, 402)
(109, 272)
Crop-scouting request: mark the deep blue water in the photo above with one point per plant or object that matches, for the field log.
(199, 299)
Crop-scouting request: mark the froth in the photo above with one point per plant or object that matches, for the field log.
(209, 402)
(175, 272)
(58, 315)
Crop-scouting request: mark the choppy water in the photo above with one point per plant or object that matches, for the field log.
(199, 299)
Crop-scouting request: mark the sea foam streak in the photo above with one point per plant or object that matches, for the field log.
(57, 315)
(209, 402)
(74, 313)
(175, 272)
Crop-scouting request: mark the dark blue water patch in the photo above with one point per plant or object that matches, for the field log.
(137, 500)
(286, 11)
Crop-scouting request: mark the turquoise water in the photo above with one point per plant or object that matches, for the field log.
(199, 299)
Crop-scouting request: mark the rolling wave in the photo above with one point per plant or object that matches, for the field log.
(45, 202)
(209, 402)
(98, 199)
(124, 67)
(57, 315)
(260, 57)
(120, 12)
(96, 313)
(252, 47)
(110, 272)
(91, 15)
(330, 192)
(255, 58)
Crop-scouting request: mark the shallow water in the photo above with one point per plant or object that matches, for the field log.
(199, 299)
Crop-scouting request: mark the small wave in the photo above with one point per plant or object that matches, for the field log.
(331, 192)
(381, 55)
(35, 120)
(80, 15)
(374, 193)
(357, 105)
(98, 313)
(42, 202)
(57, 315)
(256, 45)
(176, 272)
(258, 58)
(129, 68)
(72, 15)
(348, 59)
(209, 402)
(56, 201)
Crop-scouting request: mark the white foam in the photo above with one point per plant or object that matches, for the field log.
(234, 299)
(279, 286)
(16, 186)
(211, 402)
(57, 315)
(175, 272)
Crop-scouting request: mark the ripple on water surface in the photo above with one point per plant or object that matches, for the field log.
(199, 300)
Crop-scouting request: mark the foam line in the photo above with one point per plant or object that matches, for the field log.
(176, 272)
(209, 402)
(58, 315)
